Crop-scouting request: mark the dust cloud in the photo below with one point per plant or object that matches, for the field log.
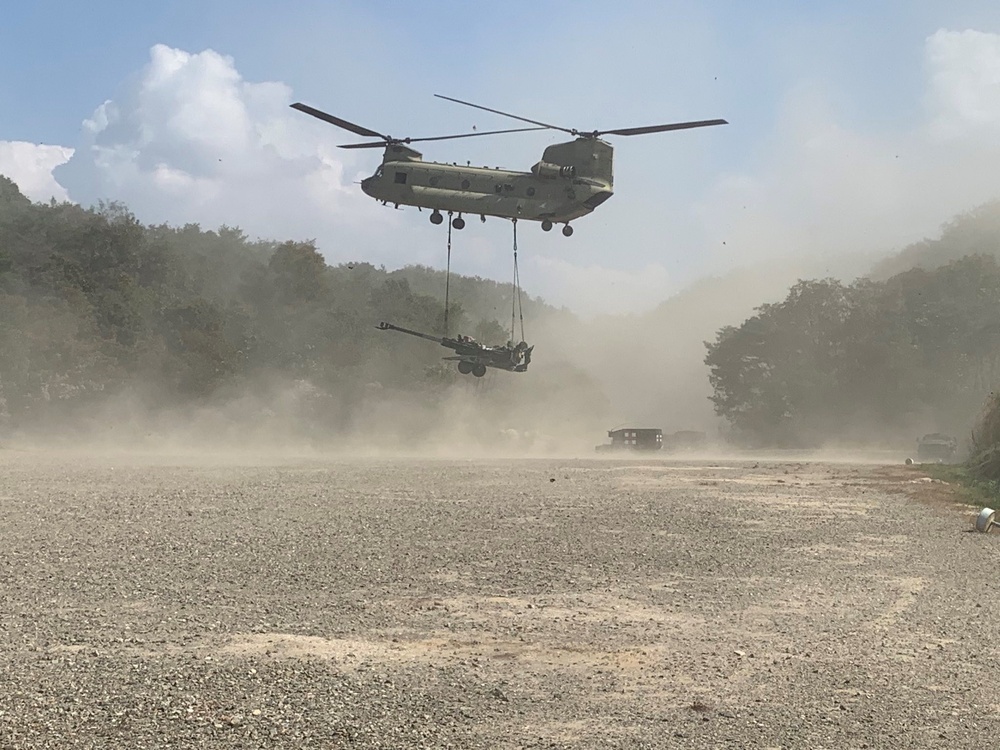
(651, 366)
(499, 415)
(586, 377)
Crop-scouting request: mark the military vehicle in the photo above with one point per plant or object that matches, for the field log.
(937, 447)
(633, 438)
(570, 181)
(473, 357)
(684, 440)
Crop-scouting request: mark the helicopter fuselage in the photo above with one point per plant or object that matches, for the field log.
(570, 181)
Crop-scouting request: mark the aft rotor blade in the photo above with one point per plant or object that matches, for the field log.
(506, 114)
(379, 144)
(371, 144)
(662, 128)
(340, 123)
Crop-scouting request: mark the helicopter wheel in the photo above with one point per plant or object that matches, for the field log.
(464, 367)
(546, 226)
(436, 217)
(567, 231)
(479, 370)
(458, 222)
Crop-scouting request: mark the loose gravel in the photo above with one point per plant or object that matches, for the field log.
(245, 603)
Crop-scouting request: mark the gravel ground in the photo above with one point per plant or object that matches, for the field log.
(490, 604)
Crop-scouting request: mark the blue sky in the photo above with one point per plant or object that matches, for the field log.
(846, 117)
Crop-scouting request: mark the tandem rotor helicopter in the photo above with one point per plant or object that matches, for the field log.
(571, 180)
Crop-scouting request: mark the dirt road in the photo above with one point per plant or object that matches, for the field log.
(506, 604)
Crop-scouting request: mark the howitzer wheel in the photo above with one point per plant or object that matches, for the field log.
(464, 367)
(985, 519)
(479, 370)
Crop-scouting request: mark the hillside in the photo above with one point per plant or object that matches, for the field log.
(117, 329)
(911, 349)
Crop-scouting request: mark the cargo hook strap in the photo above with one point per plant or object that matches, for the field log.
(515, 303)
(447, 279)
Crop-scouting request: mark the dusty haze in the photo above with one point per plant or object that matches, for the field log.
(586, 377)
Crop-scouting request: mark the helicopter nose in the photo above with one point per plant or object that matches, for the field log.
(366, 185)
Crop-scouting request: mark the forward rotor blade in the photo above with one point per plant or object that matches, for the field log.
(340, 123)
(507, 114)
(471, 135)
(439, 138)
(662, 128)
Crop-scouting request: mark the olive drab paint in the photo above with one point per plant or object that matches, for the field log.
(571, 179)
(554, 189)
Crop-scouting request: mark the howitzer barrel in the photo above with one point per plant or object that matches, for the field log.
(383, 326)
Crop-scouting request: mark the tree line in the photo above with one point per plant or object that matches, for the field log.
(916, 352)
(94, 307)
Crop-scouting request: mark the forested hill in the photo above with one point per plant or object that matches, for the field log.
(106, 324)
(898, 354)
(976, 232)
(110, 328)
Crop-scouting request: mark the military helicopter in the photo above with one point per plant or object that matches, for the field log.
(473, 357)
(571, 180)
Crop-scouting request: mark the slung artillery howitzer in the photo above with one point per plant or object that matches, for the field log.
(473, 357)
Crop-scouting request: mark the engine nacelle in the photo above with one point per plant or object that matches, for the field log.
(553, 171)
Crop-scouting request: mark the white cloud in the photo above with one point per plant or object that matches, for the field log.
(192, 141)
(964, 83)
(829, 189)
(30, 166)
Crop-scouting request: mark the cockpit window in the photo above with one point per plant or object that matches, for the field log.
(378, 172)
(400, 178)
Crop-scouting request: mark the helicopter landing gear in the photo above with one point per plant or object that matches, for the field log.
(436, 217)
(567, 231)
(464, 367)
(458, 222)
(479, 370)
(546, 226)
